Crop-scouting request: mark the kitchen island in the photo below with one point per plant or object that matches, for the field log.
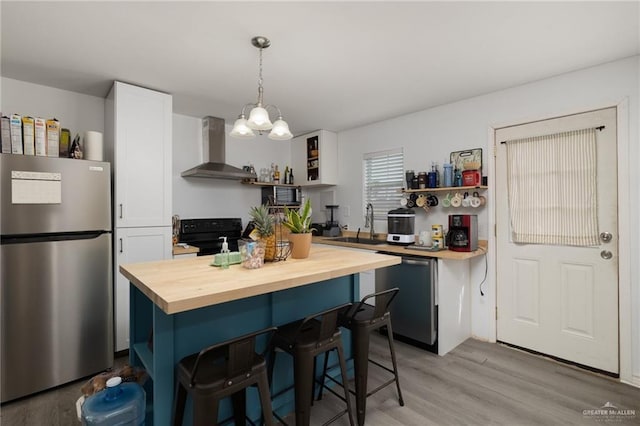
(181, 306)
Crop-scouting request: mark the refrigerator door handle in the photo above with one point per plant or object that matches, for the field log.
(120, 205)
(120, 244)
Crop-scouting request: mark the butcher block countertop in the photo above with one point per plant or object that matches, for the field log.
(178, 250)
(179, 285)
(397, 249)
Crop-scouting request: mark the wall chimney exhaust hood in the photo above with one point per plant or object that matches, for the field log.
(213, 140)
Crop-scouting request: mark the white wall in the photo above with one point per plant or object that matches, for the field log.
(202, 197)
(75, 111)
(430, 135)
(192, 197)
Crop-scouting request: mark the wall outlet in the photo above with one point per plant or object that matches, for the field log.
(346, 211)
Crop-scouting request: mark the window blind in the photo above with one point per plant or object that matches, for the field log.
(383, 180)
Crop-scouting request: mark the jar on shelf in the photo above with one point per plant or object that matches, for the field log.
(422, 180)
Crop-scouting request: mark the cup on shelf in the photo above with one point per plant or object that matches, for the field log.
(482, 198)
(466, 201)
(446, 201)
(456, 200)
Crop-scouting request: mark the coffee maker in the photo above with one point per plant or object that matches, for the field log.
(463, 232)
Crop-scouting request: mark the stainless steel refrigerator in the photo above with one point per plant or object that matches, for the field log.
(55, 272)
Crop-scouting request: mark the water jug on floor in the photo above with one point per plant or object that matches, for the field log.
(119, 404)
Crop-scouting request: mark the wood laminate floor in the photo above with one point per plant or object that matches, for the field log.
(477, 383)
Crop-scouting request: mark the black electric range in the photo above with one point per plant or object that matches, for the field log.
(206, 234)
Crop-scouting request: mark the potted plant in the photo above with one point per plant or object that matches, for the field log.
(299, 223)
(264, 227)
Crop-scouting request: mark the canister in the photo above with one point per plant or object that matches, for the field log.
(432, 180)
(422, 180)
(436, 231)
(448, 174)
(437, 242)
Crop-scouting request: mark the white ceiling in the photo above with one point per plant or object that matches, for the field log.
(331, 65)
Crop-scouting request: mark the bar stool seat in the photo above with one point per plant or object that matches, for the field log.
(362, 319)
(304, 340)
(222, 370)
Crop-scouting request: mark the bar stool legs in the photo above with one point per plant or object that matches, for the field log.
(362, 319)
(304, 340)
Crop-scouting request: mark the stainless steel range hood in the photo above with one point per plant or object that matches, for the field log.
(213, 140)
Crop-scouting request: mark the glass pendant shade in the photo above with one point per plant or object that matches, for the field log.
(259, 119)
(241, 130)
(280, 131)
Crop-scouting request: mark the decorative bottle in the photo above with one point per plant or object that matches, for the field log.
(276, 175)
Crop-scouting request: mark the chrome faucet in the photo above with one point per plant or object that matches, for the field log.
(368, 223)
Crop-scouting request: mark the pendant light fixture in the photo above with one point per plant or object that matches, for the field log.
(259, 117)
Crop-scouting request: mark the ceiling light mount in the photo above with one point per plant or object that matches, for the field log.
(259, 117)
(261, 42)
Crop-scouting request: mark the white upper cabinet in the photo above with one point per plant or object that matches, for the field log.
(314, 158)
(139, 122)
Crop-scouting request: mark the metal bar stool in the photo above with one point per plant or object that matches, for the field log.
(221, 370)
(304, 340)
(362, 319)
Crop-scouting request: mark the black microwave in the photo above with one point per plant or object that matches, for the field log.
(281, 195)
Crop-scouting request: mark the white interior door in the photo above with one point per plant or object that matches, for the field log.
(555, 299)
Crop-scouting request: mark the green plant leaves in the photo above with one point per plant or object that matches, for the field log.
(298, 221)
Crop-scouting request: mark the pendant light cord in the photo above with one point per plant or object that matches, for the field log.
(260, 89)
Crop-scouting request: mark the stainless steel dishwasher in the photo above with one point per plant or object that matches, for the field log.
(414, 311)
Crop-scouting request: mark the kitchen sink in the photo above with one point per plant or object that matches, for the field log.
(357, 240)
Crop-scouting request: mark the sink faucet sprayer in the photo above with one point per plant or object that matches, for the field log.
(369, 220)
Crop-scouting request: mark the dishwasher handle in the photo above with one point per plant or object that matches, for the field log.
(408, 261)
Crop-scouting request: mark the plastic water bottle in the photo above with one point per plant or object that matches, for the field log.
(119, 404)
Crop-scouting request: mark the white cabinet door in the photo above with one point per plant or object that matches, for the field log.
(134, 245)
(314, 159)
(141, 131)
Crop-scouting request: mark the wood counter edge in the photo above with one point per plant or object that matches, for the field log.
(281, 283)
(398, 249)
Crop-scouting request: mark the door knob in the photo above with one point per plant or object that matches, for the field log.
(606, 237)
(606, 254)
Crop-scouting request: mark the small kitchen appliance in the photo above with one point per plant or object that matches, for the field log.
(332, 228)
(274, 195)
(400, 225)
(463, 232)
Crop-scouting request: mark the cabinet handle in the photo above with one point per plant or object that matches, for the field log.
(120, 210)
(120, 245)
